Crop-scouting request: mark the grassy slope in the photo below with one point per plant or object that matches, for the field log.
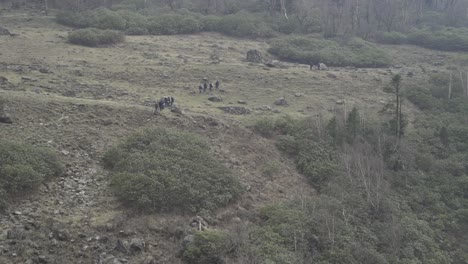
(106, 90)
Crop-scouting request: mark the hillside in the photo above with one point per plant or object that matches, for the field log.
(81, 101)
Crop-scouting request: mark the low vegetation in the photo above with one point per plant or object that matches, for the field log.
(366, 198)
(354, 52)
(23, 168)
(209, 246)
(168, 170)
(446, 39)
(92, 37)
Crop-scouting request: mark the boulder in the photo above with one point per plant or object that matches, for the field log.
(149, 260)
(322, 67)
(4, 32)
(235, 110)
(137, 244)
(6, 120)
(215, 98)
(281, 101)
(3, 79)
(121, 247)
(241, 102)
(177, 110)
(254, 56)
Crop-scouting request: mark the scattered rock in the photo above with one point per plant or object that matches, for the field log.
(3, 79)
(6, 120)
(149, 260)
(137, 244)
(275, 64)
(42, 259)
(4, 32)
(121, 247)
(254, 56)
(281, 101)
(215, 98)
(339, 102)
(241, 102)
(44, 70)
(235, 110)
(15, 233)
(65, 152)
(397, 66)
(177, 110)
(331, 75)
(299, 94)
(322, 67)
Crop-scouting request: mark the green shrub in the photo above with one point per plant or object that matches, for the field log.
(106, 19)
(449, 39)
(24, 167)
(245, 25)
(135, 24)
(271, 168)
(209, 23)
(422, 98)
(92, 37)
(354, 52)
(265, 127)
(172, 24)
(207, 247)
(316, 161)
(167, 170)
(390, 37)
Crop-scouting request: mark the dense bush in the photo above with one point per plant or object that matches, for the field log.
(167, 170)
(390, 37)
(24, 167)
(92, 37)
(172, 24)
(449, 39)
(354, 52)
(245, 25)
(208, 246)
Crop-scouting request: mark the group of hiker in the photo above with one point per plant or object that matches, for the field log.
(205, 85)
(166, 101)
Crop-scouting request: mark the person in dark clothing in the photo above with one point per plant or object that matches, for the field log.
(156, 108)
(217, 84)
(167, 101)
(161, 105)
(172, 100)
(205, 86)
(200, 88)
(211, 87)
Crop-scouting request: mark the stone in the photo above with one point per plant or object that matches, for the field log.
(6, 120)
(15, 233)
(339, 102)
(149, 260)
(3, 79)
(137, 244)
(331, 75)
(4, 32)
(187, 240)
(177, 110)
(298, 94)
(281, 102)
(235, 110)
(121, 247)
(215, 98)
(254, 56)
(322, 67)
(42, 259)
(241, 102)
(65, 152)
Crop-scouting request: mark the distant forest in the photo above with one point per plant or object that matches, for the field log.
(362, 18)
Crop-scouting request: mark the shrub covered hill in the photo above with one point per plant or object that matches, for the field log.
(364, 162)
